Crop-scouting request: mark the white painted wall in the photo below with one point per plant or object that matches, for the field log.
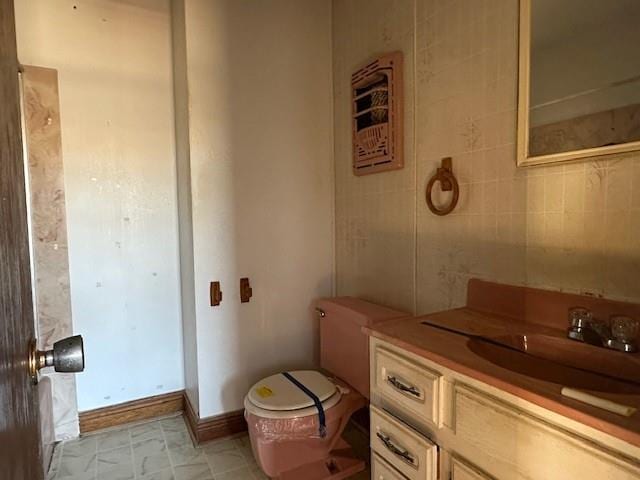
(116, 92)
(260, 149)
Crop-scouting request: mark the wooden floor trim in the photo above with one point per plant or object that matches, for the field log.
(201, 429)
(127, 412)
(205, 429)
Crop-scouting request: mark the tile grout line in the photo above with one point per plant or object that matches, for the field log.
(96, 460)
(59, 460)
(209, 463)
(416, 203)
(133, 460)
(166, 444)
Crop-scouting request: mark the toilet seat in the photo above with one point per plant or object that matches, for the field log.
(278, 397)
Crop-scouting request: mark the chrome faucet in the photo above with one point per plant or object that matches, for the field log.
(621, 335)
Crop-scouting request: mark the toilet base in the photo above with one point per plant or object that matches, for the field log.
(289, 448)
(340, 464)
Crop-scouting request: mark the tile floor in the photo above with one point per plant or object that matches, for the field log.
(162, 450)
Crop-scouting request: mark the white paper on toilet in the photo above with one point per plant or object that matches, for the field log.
(278, 393)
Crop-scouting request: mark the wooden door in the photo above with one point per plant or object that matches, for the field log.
(19, 422)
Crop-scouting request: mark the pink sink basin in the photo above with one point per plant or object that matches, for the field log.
(553, 364)
(624, 366)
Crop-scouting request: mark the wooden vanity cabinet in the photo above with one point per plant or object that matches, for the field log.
(406, 450)
(462, 470)
(409, 384)
(381, 470)
(455, 427)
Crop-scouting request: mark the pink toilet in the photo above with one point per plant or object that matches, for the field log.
(296, 418)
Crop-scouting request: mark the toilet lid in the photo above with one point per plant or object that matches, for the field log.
(279, 393)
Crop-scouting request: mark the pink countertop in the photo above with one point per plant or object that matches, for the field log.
(457, 352)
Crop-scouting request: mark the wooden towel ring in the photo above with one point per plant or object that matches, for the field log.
(448, 182)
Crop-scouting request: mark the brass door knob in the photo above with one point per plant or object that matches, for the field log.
(67, 355)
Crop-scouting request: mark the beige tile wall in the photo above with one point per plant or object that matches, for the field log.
(375, 214)
(574, 227)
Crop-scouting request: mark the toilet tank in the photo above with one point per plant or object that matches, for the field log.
(344, 347)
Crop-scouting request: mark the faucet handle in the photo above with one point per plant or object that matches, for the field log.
(624, 329)
(580, 317)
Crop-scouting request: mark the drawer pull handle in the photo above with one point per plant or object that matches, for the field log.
(410, 389)
(398, 451)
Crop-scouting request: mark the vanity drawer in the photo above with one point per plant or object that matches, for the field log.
(510, 443)
(381, 470)
(462, 470)
(409, 452)
(410, 386)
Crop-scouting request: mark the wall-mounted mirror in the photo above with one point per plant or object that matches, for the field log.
(579, 83)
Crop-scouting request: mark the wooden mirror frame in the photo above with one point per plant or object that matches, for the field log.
(524, 68)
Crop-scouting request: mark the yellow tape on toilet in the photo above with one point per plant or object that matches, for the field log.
(264, 392)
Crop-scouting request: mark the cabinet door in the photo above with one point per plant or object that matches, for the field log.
(415, 456)
(512, 444)
(462, 470)
(381, 470)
